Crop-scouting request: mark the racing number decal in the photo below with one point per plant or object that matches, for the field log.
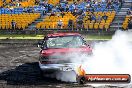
(66, 68)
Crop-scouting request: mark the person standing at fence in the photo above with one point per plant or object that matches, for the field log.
(67, 8)
(104, 17)
(79, 22)
(60, 24)
(70, 23)
(13, 24)
(129, 12)
(99, 18)
(62, 14)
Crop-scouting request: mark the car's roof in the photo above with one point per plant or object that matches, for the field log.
(62, 34)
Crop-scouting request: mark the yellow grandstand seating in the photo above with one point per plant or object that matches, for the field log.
(125, 23)
(96, 26)
(8, 1)
(86, 25)
(91, 25)
(53, 2)
(103, 24)
(106, 26)
(27, 3)
(1, 3)
(22, 20)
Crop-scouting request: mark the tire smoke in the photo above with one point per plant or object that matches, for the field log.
(111, 57)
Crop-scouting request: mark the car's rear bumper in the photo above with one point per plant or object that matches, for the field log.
(50, 68)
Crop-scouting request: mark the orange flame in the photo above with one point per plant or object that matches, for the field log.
(81, 71)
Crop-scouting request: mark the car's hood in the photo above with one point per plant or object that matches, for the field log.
(49, 52)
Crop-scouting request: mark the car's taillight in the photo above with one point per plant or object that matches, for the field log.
(41, 58)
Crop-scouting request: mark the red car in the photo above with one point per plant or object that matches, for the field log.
(55, 49)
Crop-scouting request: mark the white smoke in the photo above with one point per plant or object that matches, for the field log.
(113, 56)
(109, 57)
(68, 76)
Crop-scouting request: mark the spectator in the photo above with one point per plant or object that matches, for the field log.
(80, 12)
(13, 24)
(29, 9)
(79, 22)
(116, 2)
(60, 24)
(70, 23)
(62, 14)
(90, 17)
(121, 2)
(99, 18)
(61, 8)
(128, 12)
(11, 9)
(84, 14)
(67, 8)
(43, 10)
(52, 14)
(92, 10)
(74, 13)
(47, 6)
(74, 6)
(80, 17)
(37, 2)
(93, 18)
(105, 17)
(99, 5)
(103, 1)
(58, 14)
(109, 4)
(88, 7)
(54, 9)
(130, 23)
(17, 4)
(64, 1)
(88, 1)
(96, 3)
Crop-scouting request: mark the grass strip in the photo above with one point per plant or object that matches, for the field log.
(87, 37)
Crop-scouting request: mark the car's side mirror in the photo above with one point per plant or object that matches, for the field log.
(41, 44)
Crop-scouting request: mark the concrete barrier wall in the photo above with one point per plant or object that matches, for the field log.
(43, 32)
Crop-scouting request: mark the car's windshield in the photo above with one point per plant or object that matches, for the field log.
(64, 42)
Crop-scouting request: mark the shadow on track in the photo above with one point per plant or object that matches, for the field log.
(26, 74)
